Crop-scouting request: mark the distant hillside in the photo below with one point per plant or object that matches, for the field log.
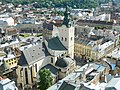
(59, 3)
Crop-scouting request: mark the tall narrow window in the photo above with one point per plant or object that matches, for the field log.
(62, 39)
(51, 60)
(21, 72)
(71, 38)
(26, 75)
(31, 74)
(36, 67)
(65, 39)
(21, 85)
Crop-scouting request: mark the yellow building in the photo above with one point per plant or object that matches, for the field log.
(8, 64)
(87, 49)
(10, 61)
(82, 50)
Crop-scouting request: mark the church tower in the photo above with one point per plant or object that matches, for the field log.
(66, 33)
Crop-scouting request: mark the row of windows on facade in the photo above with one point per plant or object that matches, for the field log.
(12, 62)
(66, 39)
(9, 61)
(82, 50)
(81, 54)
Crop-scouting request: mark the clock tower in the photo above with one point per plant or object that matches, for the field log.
(66, 33)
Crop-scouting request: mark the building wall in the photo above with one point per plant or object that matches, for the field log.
(63, 72)
(82, 51)
(9, 85)
(35, 68)
(118, 63)
(96, 79)
(10, 21)
(66, 36)
(12, 62)
(106, 51)
(90, 23)
(86, 52)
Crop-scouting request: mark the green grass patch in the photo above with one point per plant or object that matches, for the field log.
(100, 27)
(2, 54)
(38, 35)
(24, 35)
(22, 44)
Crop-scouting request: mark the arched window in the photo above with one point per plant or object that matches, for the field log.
(51, 60)
(26, 75)
(62, 39)
(31, 74)
(36, 67)
(65, 39)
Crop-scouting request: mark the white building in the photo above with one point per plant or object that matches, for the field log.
(7, 84)
(113, 84)
(10, 21)
(88, 75)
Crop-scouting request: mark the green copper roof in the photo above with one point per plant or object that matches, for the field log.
(55, 44)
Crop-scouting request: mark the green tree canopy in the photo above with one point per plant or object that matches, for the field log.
(45, 79)
(58, 3)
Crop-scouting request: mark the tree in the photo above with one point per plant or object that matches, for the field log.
(58, 3)
(45, 79)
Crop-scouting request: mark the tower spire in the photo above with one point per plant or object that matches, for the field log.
(67, 18)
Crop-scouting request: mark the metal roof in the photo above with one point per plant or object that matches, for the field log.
(31, 55)
(52, 69)
(55, 44)
(66, 86)
(63, 62)
(114, 83)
